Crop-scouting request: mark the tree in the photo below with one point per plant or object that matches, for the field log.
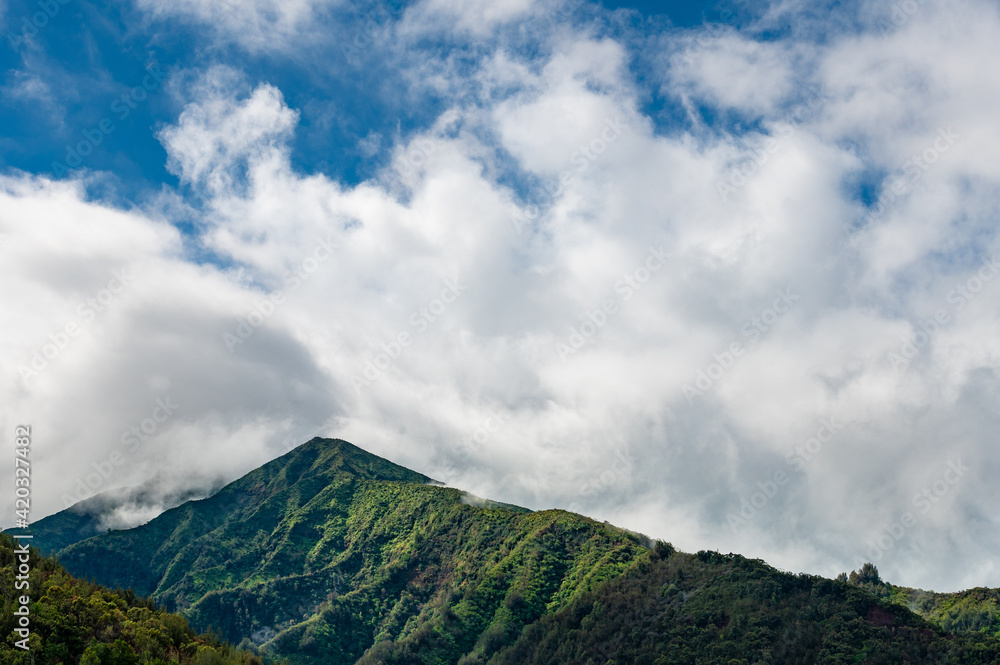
(663, 550)
(867, 574)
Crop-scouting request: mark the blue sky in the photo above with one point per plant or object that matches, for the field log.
(631, 260)
(88, 55)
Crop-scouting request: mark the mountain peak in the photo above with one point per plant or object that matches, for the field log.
(316, 463)
(325, 454)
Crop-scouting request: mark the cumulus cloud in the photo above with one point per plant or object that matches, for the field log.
(258, 25)
(714, 337)
(214, 138)
(476, 17)
(108, 361)
(273, 25)
(722, 67)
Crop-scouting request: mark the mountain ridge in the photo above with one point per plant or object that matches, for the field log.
(334, 527)
(85, 518)
(331, 554)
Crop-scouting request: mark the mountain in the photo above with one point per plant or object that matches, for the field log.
(329, 554)
(328, 549)
(109, 510)
(72, 621)
(140, 557)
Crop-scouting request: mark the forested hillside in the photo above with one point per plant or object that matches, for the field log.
(973, 610)
(72, 621)
(710, 608)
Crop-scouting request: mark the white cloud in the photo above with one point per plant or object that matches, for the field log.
(258, 25)
(111, 319)
(724, 68)
(213, 139)
(478, 17)
(288, 25)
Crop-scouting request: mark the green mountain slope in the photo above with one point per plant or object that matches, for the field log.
(64, 528)
(332, 555)
(140, 558)
(93, 516)
(71, 621)
(327, 550)
(974, 610)
(675, 609)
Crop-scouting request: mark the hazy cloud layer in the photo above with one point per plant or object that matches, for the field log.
(780, 338)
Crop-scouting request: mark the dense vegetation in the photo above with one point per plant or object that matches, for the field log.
(974, 610)
(709, 608)
(332, 555)
(329, 550)
(72, 621)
